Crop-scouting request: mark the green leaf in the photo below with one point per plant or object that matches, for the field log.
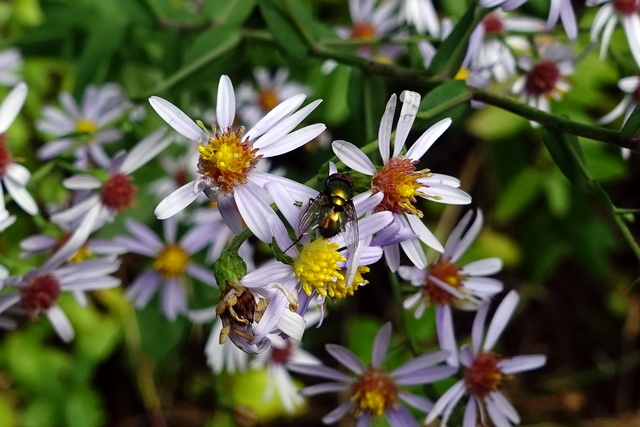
(451, 52)
(443, 98)
(228, 12)
(283, 29)
(83, 408)
(558, 195)
(104, 40)
(632, 126)
(519, 194)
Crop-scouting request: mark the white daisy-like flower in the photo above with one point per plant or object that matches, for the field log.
(171, 264)
(99, 201)
(558, 10)
(486, 371)
(10, 64)
(631, 87)
(491, 49)
(546, 78)
(445, 283)
(228, 158)
(90, 120)
(272, 90)
(611, 12)
(13, 176)
(39, 289)
(400, 183)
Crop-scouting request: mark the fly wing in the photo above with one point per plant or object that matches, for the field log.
(351, 234)
(309, 217)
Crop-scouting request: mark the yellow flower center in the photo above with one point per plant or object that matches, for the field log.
(226, 160)
(462, 74)
(267, 99)
(172, 261)
(86, 126)
(338, 289)
(374, 392)
(398, 181)
(449, 273)
(81, 255)
(317, 267)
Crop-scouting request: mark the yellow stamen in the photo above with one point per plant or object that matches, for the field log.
(172, 261)
(81, 255)
(227, 159)
(338, 289)
(374, 391)
(86, 126)
(317, 267)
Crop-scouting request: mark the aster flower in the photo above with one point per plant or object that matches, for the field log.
(491, 49)
(100, 106)
(373, 390)
(228, 158)
(445, 283)
(272, 90)
(10, 65)
(486, 371)
(559, 9)
(324, 266)
(546, 78)
(13, 176)
(611, 12)
(400, 183)
(98, 202)
(39, 289)
(172, 263)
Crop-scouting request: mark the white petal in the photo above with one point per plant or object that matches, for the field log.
(353, 157)
(178, 200)
(282, 110)
(384, 132)
(178, 120)
(21, 196)
(427, 139)
(483, 267)
(18, 173)
(11, 106)
(424, 233)
(82, 182)
(60, 323)
(145, 150)
(226, 103)
(410, 104)
(500, 319)
(254, 210)
(293, 140)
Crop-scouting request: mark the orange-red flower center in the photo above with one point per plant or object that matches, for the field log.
(267, 99)
(447, 272)
(40, 294)
(493, 24)
(363, 31)
(375, 391)
(483, 376)
(542, 78)
(626, 7)
(118, 192)
(398, 181)
(227, 159)
(5, 154)
(282, 355)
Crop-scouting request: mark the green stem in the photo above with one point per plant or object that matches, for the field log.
(397, 298)
(556, 122)
(626, 233)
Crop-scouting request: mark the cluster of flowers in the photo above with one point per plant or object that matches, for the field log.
(500, 47)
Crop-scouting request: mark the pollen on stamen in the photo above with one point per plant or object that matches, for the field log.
(374, 392)
(398, 181)
(118, 192)
(447, 272)
(483, 376)
(338, 289)
(40, 294)
(227, 159)
(317, 267)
